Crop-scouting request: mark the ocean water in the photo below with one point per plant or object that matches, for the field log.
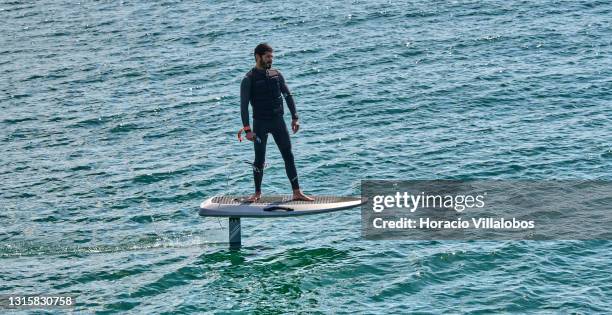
(117, 118)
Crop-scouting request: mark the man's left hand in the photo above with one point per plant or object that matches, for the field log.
(295, 125)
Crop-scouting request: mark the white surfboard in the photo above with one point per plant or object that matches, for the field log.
(274, 206)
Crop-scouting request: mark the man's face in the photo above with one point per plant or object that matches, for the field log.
(266, 59)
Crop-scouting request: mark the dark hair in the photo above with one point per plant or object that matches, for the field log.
(262, 49)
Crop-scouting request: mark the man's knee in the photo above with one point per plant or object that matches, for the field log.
(259, 162)
(258, 166)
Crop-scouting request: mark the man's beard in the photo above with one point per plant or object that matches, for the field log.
(268, 65)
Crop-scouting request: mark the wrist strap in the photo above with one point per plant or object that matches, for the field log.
(246, 130)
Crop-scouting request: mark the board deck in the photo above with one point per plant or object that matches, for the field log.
(274, 206)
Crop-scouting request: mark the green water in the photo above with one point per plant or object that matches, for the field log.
(118, 118)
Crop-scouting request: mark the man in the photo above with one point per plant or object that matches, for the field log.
(262, 86)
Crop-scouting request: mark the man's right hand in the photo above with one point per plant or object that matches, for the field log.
(250, 136)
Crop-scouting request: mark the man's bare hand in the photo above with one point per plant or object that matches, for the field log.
(295, 125)
(250, 136)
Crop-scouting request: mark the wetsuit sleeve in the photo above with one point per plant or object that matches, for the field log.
(245, 96)
(288, 96)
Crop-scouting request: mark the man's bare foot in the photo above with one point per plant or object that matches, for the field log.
(254, 197)
(299, 195)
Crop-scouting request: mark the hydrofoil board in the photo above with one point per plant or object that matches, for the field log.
(274, 206)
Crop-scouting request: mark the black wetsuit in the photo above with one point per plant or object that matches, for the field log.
(263, 89)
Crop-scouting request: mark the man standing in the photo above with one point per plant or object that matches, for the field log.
(262, 86)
